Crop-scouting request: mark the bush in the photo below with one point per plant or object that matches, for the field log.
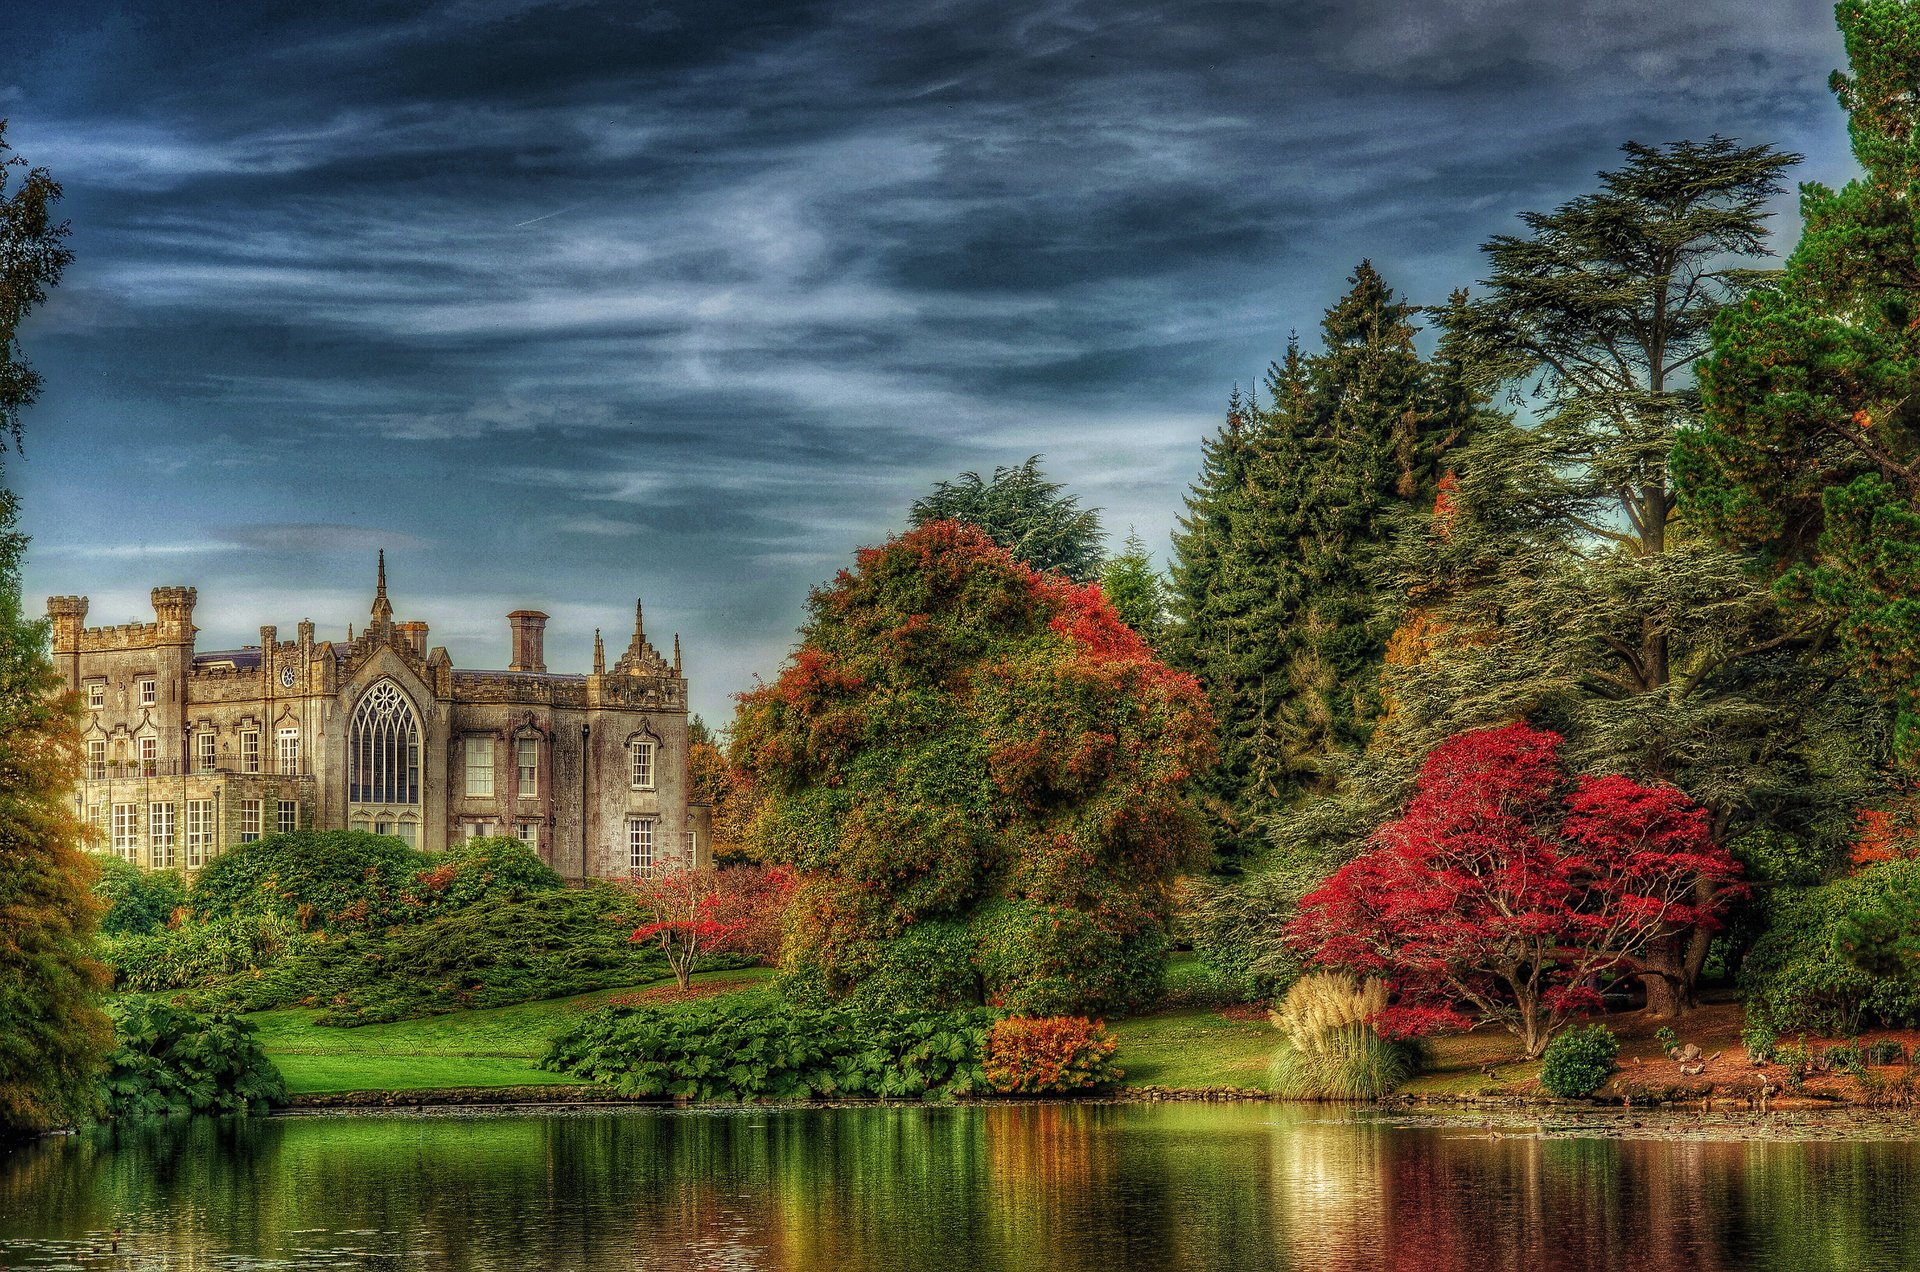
(1330, 1050)
(199, 954)
(1029, 1055)
(1578, 1060)
(1239, 928)
(137, 901)
(734, 1051)
(173, 1063)
(1798, 978)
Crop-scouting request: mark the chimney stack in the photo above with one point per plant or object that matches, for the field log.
(529, 633)
(415, 634)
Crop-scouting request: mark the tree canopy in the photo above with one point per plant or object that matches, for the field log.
(1025, 513)
(980, 775)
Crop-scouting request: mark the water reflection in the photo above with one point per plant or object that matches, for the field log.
(1104, 1189)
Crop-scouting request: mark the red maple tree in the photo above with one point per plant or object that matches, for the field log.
(1508, 889)
(707, 911)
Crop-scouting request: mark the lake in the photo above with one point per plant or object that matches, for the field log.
(1105, 1188)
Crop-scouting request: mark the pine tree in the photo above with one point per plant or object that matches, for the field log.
(1809, 449)
(1136, 591)
(1025, 513)
(52, 1031)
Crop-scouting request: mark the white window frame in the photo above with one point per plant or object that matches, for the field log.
(689, 841)
(126, 831)
(479, 768)
(199, 832)
(250, 750)
(526, 757)
(149, 691)
(148, 748)
(96, 695)
(641, 756)
(529, 833)
(160, 834)
(640, 844)
(96, 759)
(249, 820)
(286, 817)
(286, 751)
(205, 751)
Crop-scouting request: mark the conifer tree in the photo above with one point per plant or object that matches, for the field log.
(52, 1031)
(1136, 591)
(1025, 513)
(1809, 449)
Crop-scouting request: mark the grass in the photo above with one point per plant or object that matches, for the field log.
(495, 1047)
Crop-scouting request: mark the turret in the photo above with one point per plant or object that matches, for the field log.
(173, 606)
(69, 615)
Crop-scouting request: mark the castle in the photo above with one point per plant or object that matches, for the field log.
(188, 753)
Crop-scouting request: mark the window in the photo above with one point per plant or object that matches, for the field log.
(203, 749)
(249, 820)
(147, 692)
(96, 759)
(529, 764)
(199, 832)
(384, 748)
(288, 751)
(96, 694)
(160, 835)
(529, 832)
(250, 751)
(287, 817)
(481, 830)
(688, 842)
(362, 825)
(408, 832)
(641, 753)
(126, 830)
(149, 756)
(479, 766)
(640, 845)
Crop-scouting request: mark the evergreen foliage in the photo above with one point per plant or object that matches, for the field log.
(1809, 449)
(136, 901)
(1136, 591)
(1275, 609)
(1802, 976)
(1578, 1060)
(52, 1031)
(979, 774)
(1024, 513)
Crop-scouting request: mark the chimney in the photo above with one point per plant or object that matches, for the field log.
(529, 631)
(415, 635)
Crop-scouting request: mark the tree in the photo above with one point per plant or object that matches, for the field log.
(714, 780)
(1808, 451)
(1024, 513)
(980, 775)
(1136, 591)
(1507, 888)
(688, 915)
(54, 1035)
(1276, 608)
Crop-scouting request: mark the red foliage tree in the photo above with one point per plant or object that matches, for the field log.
(695, 912)
(1508, 888)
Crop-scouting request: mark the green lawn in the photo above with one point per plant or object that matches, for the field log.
(497, 1047)
(1190, 1047)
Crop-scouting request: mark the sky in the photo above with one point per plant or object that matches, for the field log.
(567, 303)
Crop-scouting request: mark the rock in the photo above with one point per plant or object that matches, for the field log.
(1687, 1053)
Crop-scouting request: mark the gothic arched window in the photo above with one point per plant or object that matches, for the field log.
(383, 748)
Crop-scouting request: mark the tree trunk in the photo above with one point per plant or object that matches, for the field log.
(1663, 973)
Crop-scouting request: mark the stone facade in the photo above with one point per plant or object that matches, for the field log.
(188, 753)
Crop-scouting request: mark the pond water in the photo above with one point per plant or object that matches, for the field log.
(1112, 1188)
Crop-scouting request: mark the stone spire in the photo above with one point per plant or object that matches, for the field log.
(676, 653)
(641, 659)
(599, 655)
(382, 608)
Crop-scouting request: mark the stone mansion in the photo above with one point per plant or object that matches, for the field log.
(189, 752)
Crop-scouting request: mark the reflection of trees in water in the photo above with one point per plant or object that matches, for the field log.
(1073, 1187)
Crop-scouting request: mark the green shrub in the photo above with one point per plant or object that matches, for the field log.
(199, 954)
(1667, 1040)
(1758, 1037)
(1239, 928)
(743, 1051)
(138, 901)
(1329, 1049)
(173, 1063)
(1578, 1060)
(1798, 977)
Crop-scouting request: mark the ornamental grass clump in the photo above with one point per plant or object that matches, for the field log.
(1329, 1049)
(1049, 1055)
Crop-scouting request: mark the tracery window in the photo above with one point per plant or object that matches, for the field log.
(383, 748)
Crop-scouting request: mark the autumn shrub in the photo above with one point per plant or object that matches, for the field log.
(1049, 1055)
(173, 1063)
(136, 900)
(1799, 975)
(732, 1051)
(1329, 1047)
(1578, 1060)
(965, 746)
